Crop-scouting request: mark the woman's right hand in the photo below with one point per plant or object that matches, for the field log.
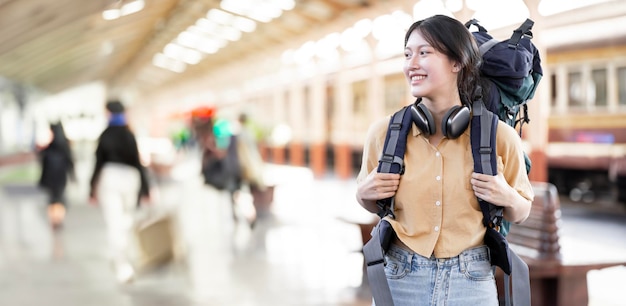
(377, 186)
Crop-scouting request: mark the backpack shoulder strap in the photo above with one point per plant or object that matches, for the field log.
(391, 161)
(483, 142)
(392, 158)
(483, 139)
(374, 254)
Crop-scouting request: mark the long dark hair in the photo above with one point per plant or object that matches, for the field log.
(450, 37)
(59, 140)
(61, 144)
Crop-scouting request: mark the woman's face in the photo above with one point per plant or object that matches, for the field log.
(430, 73)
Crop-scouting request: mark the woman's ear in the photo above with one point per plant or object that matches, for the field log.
(456, 67)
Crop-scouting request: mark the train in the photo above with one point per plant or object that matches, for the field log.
(586, 152)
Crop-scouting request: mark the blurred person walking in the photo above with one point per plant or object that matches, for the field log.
(220, 165)
(252, 169)
(250, 158)
(118, 185)
(57, 164)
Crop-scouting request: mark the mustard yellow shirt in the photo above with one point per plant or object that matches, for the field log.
(436, 210)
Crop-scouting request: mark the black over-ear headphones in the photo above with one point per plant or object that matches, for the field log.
(453, 123)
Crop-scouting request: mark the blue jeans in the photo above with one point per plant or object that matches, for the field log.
(463, 280)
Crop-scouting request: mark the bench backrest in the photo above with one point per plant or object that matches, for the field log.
(538, 236)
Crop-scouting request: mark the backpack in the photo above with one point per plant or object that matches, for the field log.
(223, 173)
(511, 69)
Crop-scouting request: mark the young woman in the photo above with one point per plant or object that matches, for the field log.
(439, 257)
(57, 164)
(118, 183)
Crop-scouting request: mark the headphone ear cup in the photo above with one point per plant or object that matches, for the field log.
(455, 121)
(423, 118)
(447, 119)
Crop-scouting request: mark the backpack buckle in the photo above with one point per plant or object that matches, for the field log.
(385, 208)
(393, 160)
(395, 126)
(387, 158)
(495, 222)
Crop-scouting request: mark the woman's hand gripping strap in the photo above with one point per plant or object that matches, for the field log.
(392, 158)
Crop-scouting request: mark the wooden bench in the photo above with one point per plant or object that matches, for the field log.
(553, 282)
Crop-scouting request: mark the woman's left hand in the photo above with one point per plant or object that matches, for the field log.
(497, 191)
(492, 188)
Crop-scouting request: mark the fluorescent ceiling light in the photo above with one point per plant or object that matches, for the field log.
(244, 24)
(116, 11)
(132, 7)
(165, 62)
(111, 14)
(181, 53)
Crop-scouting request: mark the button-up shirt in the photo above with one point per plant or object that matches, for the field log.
(435, 207)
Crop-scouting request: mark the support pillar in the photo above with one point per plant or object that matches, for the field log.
(343, 161)
(278, 155)
(343, 118)
(297, 121)
(296, 154)
(539, 106)
(317, 123)
(318, 159)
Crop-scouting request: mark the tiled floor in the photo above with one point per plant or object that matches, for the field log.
(303, 253)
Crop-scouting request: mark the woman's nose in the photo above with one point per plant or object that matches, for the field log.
(412, 62)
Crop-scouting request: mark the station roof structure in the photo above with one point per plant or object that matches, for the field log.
(55, 45)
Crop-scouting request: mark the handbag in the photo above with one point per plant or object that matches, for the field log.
(155, 240)
(223, 173)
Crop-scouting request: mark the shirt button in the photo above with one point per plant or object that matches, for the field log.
(436, 228)
(438, 178)
(438, 203)
(437, 154)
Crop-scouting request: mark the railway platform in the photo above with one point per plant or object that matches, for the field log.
(302, 253)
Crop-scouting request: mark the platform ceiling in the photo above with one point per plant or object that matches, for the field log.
(56, 45)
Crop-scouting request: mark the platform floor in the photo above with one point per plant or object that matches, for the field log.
(305, 251)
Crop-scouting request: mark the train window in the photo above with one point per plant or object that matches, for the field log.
(576, 95)
(621, 79)
(599, 92)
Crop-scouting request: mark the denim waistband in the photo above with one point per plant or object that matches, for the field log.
(479, 253)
